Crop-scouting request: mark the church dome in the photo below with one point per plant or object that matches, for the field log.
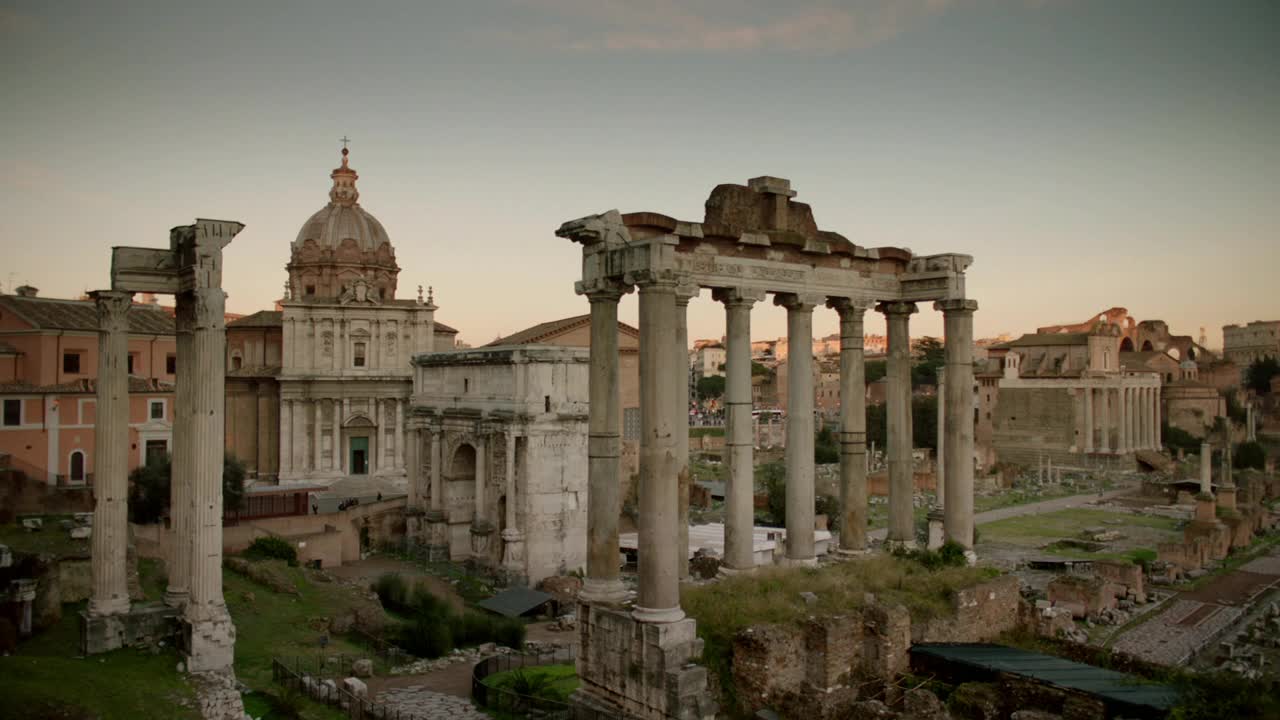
(342, 249)
(343, 218)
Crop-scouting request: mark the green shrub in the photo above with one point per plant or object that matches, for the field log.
(951, 554)
(427, 637)
(272, 548)
(510, 633)
(1176, 438)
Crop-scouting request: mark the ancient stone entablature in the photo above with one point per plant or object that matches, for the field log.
(753, 240)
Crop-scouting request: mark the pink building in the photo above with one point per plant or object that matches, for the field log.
(48, 366)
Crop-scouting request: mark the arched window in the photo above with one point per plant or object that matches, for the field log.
(77, 466)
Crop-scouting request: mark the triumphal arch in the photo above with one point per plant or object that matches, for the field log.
(755, 240)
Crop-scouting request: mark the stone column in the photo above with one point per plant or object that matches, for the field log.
(1104, 414)
(482, 477)
(286, 435)
(299, 429)
(401, 407)
(1159, 423)
(659, 600)
(110, 537)
(437, 471)
(512, 538)
(681, 422)
(317, 434)
(799, 453)
(958, 507)
(739, 515)
(182, 466)
(853, 426)
(212, 636)
(1122, 413)
(1088, 419)
(940, 465)
(604, 449)
(413, 468)
(899, 441)
(335, 435)
(1206, 468)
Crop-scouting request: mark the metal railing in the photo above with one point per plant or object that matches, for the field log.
(505, 702)
(334, 695)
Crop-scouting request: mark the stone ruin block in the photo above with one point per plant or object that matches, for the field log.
(1127, 575)
(1084, 596)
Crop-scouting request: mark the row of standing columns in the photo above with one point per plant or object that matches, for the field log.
(664, 435)
(1131, 415)
(195, 568)
(295, 455)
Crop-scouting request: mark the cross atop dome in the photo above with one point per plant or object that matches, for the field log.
(344, 180)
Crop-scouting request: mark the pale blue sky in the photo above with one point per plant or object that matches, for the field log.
(1087, 153)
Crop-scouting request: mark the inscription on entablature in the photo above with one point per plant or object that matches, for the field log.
(707, 265)
(772, 273)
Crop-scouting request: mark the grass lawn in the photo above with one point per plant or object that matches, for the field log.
(1038, 529)
(51, 539)
(46, 680)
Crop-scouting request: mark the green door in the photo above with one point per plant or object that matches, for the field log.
(359, 456)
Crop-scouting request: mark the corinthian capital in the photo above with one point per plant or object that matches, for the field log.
(113, 309)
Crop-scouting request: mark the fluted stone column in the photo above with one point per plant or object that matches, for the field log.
(437, 527)
(604, 449)
(799, 452)
(899, 441)
(1159, 422)
(739, 520)
(958, 507)
(182, 463)
(413, 468)
(940, 481)
(681, 405)
(1088, 419)
(110, 594)
(211, 645)
(1122, 441)
(1206, 468)
(853, 426)
(659, 600)
(437, 471)
(512, 537)
(480, 521)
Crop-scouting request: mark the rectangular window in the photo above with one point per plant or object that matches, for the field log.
(359, 355)
(71, 363)
(631, 424)
(171, 364)
(12, 412)
(157, 410)
(311, 290)
(131, 363)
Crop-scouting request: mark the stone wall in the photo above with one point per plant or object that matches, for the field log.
(639, 670)
(810, 669)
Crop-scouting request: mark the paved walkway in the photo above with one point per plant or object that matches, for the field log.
(426, 704)
(1036, 508)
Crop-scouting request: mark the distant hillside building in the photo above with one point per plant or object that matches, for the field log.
(1244, 344)
(1067, 396)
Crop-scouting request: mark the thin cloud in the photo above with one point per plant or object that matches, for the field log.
(717, 25)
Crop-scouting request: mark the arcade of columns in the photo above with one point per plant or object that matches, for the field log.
(1129, 415)
(191, 270)
(667, 261)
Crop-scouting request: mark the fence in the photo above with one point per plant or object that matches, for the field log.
(332, 694)
(509, 703)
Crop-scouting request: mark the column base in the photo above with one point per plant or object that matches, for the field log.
(176, 598)
(658, 616)
(114, 606)
(605, 592)
(905, 545)
(800, 562)
(726, 571)
(142, 624)
(209, 642)
(852, 552)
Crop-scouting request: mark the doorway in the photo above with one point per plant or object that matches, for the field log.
(156, 450)
(359, 456)
(77, 466)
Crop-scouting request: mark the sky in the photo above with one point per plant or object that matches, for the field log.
(1087, 153)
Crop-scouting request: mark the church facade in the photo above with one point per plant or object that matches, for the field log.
(346, 342)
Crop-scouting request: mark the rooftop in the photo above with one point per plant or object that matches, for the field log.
(550, 329)
(57, 314)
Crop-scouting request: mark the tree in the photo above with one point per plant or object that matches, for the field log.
(149, 488)
(711, 386)
(1250, 455)
(875, 369)
(758, 369)
(929, 356)
(825, 448)
(1258, 376)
